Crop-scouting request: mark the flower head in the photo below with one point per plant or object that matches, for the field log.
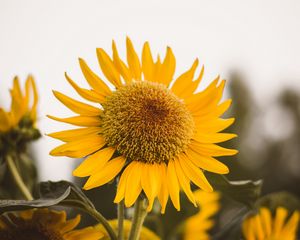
(158, 135)
(44, 224)
(198, 225)
(17, 126)
(264, 226)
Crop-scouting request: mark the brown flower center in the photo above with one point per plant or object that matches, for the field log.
(146, 122)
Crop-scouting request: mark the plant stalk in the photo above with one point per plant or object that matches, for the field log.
(121, 217)
(101, 219)
(140, 213)
(17, 177)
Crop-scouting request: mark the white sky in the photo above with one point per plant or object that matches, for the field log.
(45, 38)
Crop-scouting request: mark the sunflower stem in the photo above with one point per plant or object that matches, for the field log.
(121, 220)
(101, 219)
(140, 213)
(17, 177)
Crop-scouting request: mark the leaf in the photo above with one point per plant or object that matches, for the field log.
(282, 199)
(51, 194)
(17, 205)
(246, 192)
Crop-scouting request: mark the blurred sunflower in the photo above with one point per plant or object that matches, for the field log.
(145, 234)
(44, 224)
(263, 226)
(197, 226)
(17, 125)
(163, 135)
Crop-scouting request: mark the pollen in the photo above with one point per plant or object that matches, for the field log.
(146, 122)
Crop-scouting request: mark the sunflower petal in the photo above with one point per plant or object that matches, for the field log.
(108, 172)
(74, 134)
(84, 121)
(133, 185)
(207, 163)
(133, 60)
(195, 174)
(148, 65)
(85, 93)
(94, 80)
(108, 68)
(76, 106)
(94, 162)
(173, 184)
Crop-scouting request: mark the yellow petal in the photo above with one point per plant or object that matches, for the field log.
(194, 174)
(4, 121)
(281, 214)
(211, 149)
(120, 65)
(79, 148)
(184, 80)
(85, 93)
(184, 182)
(108, 68)
(122, 184)
(133, 60)
(163, 194)
(84, 121)
(70, 224)
(76, 106)
(148, 65)
(173, 185)
(94, 80)
(151, 182)
(74, 134)
(213, 125)
(108, 172)
(213, 137)
(133, 184)
(206, 162)
(94, 162)
(266, 219)
(167, 68)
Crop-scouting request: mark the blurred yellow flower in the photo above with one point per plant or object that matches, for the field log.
(263, 226)
(162, 134)
(17, 126)
(44, 224)
(197, 226)
(20, 105)
(145, 234)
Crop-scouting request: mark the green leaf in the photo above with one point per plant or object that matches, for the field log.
(17, 205)
(282, 199)
(51, 194)
(246, 192)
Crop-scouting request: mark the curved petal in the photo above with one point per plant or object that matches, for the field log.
(106, 174)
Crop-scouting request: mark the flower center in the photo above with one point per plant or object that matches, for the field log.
(146, 122)
(31, 233)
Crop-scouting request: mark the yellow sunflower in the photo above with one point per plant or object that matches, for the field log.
(17, 124)
(197, 226)
(265, 227)
(163, 134)
(20, 105)
(44, 224)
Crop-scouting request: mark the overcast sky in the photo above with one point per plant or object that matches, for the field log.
(259, 38)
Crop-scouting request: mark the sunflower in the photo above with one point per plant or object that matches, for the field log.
(146, 234)
(44, 224)
(17, 124)
(158, 135)
(264, 226)
(197, 226)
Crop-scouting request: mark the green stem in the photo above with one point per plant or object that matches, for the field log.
(17, 177)
(140, 212)
(101, 219)
(121, 220)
